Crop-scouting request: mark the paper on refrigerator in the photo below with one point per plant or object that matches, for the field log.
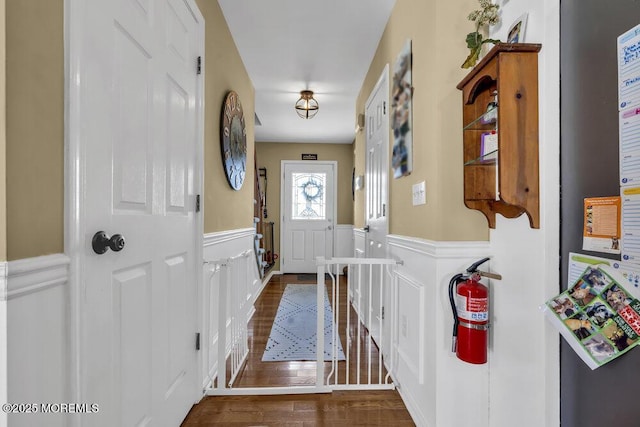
(629, 139)
(629, 68)
(630, 197)
(601, 231)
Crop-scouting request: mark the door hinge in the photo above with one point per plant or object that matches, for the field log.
(384, 107)
(197, 341)
(197, 203)
(384, 209)
(383, 312)
(199, 65)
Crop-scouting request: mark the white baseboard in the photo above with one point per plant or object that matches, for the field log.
(268, 277)
(412, 407)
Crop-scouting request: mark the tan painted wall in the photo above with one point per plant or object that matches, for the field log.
(270, 155)
(437, 29)
(3, 134)
(35, 127)
(225, 208)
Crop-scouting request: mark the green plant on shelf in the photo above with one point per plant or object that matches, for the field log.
(486, 15)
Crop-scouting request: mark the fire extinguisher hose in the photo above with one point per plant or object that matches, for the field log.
(452, 285)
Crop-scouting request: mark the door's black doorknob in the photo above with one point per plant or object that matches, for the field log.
(101, 242)
(116, 242)
(366, 228)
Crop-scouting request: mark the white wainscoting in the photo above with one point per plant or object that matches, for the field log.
(358, 242)
(4, 329)
(37, 314)
(430, 378)
(221, 246)
(344, 241)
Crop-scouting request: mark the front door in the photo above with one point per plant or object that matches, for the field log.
(308, 212)
(134, 100)
(376, 195)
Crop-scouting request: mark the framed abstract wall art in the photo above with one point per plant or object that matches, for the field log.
(401, 106)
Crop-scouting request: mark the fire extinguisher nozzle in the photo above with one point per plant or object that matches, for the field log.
(454, 344)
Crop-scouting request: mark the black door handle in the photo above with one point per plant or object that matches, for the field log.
(101, 242)
(366, 228)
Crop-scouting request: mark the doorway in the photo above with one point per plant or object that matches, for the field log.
(308, 210)
(135, 138)
(376, 197)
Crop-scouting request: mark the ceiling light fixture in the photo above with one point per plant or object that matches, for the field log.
(307, 106)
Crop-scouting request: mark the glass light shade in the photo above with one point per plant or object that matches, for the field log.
(307, 107)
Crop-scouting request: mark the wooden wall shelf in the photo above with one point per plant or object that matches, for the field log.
(506, 181)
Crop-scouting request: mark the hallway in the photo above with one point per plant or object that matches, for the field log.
(257, 373)
(59, 329)
(369, 408)
(340, 408)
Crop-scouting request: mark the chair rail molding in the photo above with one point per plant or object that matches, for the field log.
(440, 249)
(3, 281)
(218, 237)
(36, 274)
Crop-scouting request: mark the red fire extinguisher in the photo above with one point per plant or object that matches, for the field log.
(470, 307)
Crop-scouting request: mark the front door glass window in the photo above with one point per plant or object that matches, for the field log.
(309, 196)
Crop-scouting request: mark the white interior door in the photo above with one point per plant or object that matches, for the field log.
(308, 211)
(135, 97)
(376, 194)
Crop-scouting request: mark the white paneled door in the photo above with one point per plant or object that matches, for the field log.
(376, 194)
(134, 101)
(308, 210)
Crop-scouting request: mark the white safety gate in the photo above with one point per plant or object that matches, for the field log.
(364, 329)
(369, 356)
(231, 307)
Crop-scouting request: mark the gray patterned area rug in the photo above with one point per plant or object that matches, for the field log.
(293, 335)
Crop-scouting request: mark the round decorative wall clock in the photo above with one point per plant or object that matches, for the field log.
(233, 140)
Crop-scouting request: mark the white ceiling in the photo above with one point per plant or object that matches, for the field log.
(291, 45)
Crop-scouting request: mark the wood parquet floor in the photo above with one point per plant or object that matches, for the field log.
(340, 408)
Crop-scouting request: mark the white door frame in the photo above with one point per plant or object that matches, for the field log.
(377, 205)
(75, 235)
(333, 163)
(383, 79)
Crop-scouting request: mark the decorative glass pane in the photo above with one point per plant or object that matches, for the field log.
(308, 196)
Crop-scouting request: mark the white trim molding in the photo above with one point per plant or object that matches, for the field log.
(218, 237)
(3, 281)
(344, 241)
(219, 248)
(359, 242)
(461, 249)
(36, 335)
(428, 373)
(4, 342)
(26, 276)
